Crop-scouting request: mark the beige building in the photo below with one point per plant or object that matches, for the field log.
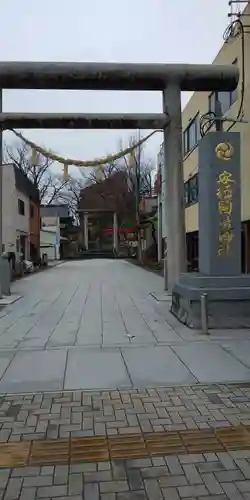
(200, 103)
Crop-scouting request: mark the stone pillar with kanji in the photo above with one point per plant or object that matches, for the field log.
(219, 276)
(219, 204)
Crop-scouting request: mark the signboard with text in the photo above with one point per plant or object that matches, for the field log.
(219, 204)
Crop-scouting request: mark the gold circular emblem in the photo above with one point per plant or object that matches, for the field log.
(224, 151)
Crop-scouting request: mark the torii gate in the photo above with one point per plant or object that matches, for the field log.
(170, 79)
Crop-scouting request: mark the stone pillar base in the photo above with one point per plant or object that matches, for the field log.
(228, 300)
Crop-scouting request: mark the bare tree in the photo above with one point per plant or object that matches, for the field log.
(139, 170)
(71, 195)
(54, 189)
(41, 175)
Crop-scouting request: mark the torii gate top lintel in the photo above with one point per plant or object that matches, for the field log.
(114, 76)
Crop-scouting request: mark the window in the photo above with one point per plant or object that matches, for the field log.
(191, 190)
(31, 211)
(21, 207)
(226, 99)
(191, 135)
(17, 245)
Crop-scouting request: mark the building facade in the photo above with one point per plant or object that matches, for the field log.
(21, 215)
(54, 218)
(48, 243)
(235, 50)
(104, 206)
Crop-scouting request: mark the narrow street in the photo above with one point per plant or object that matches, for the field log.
(104, 325)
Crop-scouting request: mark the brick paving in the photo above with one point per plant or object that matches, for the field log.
(220, 475)
(121, 412)
(211, 476)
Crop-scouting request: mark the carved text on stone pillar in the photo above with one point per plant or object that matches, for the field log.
(225, 207)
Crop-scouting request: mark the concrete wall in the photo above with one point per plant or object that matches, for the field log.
(199, 104)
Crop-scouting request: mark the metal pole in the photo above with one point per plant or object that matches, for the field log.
(204, 314)
(173, 169)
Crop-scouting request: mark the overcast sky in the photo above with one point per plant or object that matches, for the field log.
(162, 31)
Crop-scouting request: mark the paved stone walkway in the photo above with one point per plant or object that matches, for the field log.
(210, 476)
(194, 476)
(102, 324)
(57, 415)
